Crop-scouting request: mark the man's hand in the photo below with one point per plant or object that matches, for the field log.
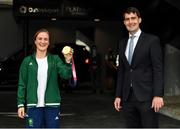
(117, 104)
(157, 103)
(21, 112)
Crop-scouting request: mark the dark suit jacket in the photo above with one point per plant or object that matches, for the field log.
(145, 73)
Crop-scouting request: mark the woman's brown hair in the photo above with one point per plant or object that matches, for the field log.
(35, 35)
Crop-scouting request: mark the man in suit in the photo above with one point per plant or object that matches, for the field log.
(139, 90)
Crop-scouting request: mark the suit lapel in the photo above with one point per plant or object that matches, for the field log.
(137, 48)
(124, 50)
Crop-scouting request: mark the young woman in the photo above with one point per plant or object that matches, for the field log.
(38, 90)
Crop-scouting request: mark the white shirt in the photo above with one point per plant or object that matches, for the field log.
(137, 34)
(42, 80)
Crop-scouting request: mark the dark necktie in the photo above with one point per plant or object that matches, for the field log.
(131, 43)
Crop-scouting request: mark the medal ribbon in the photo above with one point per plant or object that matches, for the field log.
(74, 74)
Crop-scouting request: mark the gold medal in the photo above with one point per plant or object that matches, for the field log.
(66, 50)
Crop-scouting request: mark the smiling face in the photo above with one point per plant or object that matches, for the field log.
(42, 41)
(132, 22)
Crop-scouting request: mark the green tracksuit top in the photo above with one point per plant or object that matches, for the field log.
(27, 85)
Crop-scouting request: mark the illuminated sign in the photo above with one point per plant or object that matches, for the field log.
(49, 8)
(74, 11)
(34, 10)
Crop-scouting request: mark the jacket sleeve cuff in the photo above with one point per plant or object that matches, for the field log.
(20, 105)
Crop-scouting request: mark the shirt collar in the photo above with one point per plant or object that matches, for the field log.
(137, 34)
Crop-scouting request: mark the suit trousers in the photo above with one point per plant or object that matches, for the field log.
(139, 114)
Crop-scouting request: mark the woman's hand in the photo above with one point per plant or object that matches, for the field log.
(68, 53)
(21, 112)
